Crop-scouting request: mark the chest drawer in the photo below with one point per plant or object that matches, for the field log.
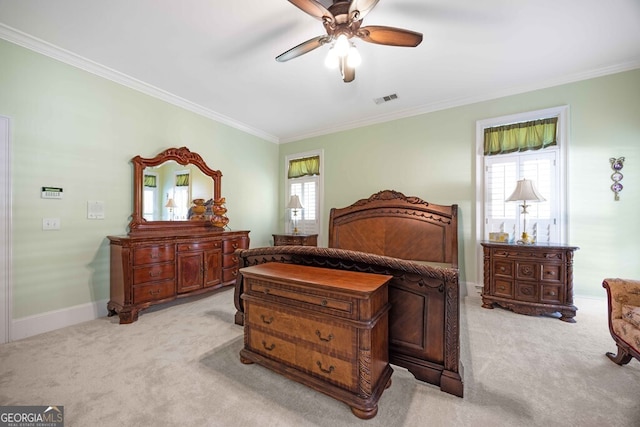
(329, 337)
(327, 367)
(198, 246)
(153, 273)
(295, 294)
(153, 291)
(153, 254)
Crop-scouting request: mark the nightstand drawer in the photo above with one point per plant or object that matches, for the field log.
(552, 273)
(503, 268)
(504, 288)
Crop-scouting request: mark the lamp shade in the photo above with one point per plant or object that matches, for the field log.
(294, 203)
(525, 190)
(170, 204)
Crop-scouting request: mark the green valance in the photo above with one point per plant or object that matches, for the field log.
(182, 180)
(523, 136)
(305, 166)
(150, 181)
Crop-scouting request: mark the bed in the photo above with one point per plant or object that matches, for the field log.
(417, 243)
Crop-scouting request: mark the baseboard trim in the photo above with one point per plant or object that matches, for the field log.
(46, 322)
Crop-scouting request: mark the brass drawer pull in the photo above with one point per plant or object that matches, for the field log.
(154, 273)
(326, 371)
(265, 320)
(319, 334)
(153, 292)
(271, 347)
(324, 303)
(266, 291)
(235, 246)
(501, 288)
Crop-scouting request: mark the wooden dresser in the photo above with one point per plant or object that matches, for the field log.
(325, 328)
(149, 270)
(295, 240)
(529, 279)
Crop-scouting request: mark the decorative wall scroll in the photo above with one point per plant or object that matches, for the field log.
(616, 176)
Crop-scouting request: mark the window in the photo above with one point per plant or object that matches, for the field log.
(149, 196)
(181, 195)
(304, 179)
(544, 164)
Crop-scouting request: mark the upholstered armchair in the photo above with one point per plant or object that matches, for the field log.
(624, 318)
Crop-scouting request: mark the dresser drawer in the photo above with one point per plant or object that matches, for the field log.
(229, 246)
(261, 287)
(198, 246)
(229, 274)
(153, 254)
(153, 273)
(328, 337)
(230, 260)
(153, 291)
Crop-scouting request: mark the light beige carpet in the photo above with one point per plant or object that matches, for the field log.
(179, 366)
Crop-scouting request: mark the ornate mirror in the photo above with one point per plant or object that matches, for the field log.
(170, 189)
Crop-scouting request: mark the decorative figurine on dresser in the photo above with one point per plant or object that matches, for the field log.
(529, 279)
(169, 252)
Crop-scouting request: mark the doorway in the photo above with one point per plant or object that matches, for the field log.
(5, 230)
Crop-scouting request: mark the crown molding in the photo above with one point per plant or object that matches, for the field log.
(458, 102)
(45, 48)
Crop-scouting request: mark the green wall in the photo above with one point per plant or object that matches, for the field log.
(432, 156)
(78, 131)
(75, 130)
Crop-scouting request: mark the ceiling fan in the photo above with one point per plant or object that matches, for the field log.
(342, 21)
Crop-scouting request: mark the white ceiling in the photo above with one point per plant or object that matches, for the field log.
(218, 57)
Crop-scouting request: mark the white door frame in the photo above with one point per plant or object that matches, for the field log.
(5, 230)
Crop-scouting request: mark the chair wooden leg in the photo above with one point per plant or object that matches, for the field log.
(622, 358)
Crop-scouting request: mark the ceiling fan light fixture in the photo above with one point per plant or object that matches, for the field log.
(354, 59)
(342, 45)
(332, 60)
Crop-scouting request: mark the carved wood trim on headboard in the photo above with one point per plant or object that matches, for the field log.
(391, 224)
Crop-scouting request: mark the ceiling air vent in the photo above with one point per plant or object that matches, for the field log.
(386, 98)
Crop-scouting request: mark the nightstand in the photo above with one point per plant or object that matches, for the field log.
(295, 240)
(529, 279)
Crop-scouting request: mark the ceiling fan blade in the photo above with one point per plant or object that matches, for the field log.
(313, 8)
(362, 6)
(390, 36)
(348, 73)
(302, 48)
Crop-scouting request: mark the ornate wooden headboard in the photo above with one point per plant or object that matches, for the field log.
(392, 224)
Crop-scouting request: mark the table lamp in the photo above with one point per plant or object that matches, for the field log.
(525, 191)
(170, 204)
(294, 203)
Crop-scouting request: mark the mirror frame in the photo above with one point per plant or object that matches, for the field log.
(184, 157)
